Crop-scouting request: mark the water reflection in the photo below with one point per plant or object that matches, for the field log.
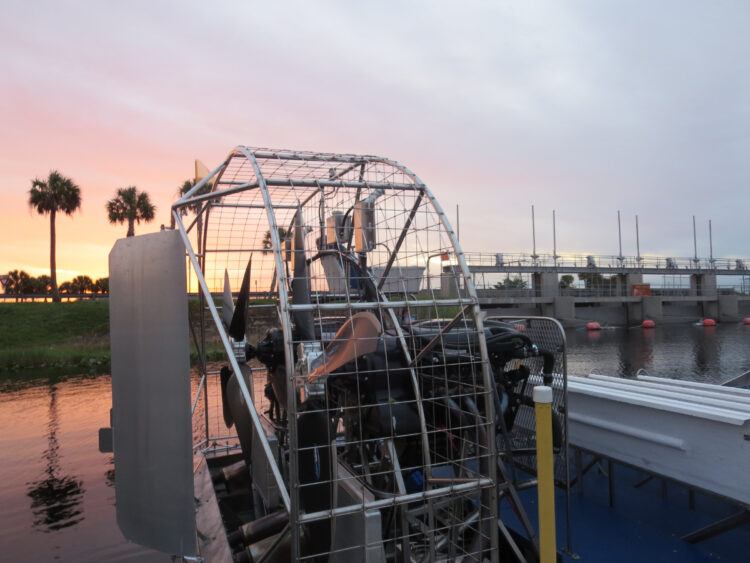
(593, 336)
(109, 474)
(710, 354)
(706, 349)
(55, 417)
(56, 498)
(636, 350)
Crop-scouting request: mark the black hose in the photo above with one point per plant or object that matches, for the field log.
(548, 366)
(315, 475)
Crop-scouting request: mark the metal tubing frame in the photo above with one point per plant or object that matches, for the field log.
(213, 195)
(566, 441)
(482, 483)
(384, 303)
(283, 182)
(439, 336)
(489, 404)
(291, 498)
(200, 184)
(286, 307)
(307, 155)
(198, 394)
(400, 241)
(283, 493)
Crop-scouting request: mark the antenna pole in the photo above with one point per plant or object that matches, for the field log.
(533, 233)
(695, 243)
(710, 242)
(554, 237)
(637, 240)
(619, 236)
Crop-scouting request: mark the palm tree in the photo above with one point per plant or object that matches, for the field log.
(55, 194)
(195, 208)
(101, 286)
(56, 497)
(81, 285)
(268, 244)
(41, 285)
(132, 206)
(65, 288)
(18, 283)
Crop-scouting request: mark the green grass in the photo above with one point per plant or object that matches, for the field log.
(68, 335)
(54, 334)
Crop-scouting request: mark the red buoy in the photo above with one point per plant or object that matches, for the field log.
(709, 322)
(593, 325)
(648, 323)
(746, 321)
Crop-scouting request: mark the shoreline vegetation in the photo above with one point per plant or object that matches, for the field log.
(69, 336)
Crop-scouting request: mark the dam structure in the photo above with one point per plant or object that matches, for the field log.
(618, 290)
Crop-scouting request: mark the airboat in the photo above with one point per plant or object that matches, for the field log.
(351, 400)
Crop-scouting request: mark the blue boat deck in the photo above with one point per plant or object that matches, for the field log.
(645, 523)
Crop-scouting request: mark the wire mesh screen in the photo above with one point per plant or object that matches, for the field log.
(357, 384)
(547, 367)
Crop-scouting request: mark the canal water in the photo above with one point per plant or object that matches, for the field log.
(57, 490)
(706, 354)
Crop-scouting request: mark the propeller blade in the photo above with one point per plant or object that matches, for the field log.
(237, 410)
(227, 308)
(356, 337)
(225, 374)
(201, 171)
(303, 320)
(238, 323)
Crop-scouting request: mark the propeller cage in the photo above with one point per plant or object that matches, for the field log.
(389, 452)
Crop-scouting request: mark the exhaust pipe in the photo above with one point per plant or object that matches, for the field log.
(259, 529)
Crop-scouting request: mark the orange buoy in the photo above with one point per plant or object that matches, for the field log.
(593, 325)
(746, 321)
(709, 322)
(648, 323)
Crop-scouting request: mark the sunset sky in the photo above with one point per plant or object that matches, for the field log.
(582, 107)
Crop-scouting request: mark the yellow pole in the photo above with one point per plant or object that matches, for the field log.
(545, 474)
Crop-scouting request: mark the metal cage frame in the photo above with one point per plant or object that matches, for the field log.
(258, 191)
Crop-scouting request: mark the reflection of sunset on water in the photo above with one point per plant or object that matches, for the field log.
(81, 406)
(55, 490)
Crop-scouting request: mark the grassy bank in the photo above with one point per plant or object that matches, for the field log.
(61, 335)
(54, 334)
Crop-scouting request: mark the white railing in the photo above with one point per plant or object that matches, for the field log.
(522, 260)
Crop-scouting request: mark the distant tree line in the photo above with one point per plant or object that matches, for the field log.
(566, 281)
(57, 194)
(595, 280)
(511, 283)
(20, 284)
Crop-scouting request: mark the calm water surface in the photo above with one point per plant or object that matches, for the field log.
(707, 354)
(57, 490)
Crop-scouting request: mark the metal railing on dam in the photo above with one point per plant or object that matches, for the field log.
(603, 264)
(490, 290)
(612, 289)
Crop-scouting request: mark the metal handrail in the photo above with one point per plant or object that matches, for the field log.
(606, 261)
